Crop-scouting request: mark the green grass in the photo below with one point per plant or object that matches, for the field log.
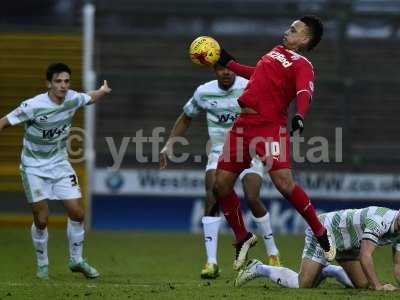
(137, 265)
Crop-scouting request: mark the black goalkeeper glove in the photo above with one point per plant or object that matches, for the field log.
(297, 124)
(224, 58)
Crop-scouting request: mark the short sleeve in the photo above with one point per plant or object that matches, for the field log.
(192, 107)
(84, 99)
(304, 78)
(375, 228)
(21, 114)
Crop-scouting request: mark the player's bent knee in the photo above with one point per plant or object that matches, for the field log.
(77, 215)
(253, 198)
(220, 191)
(40, 219)
(304, 282)
(361, 284)
(41, 224)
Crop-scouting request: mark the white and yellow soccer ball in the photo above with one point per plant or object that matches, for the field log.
(204, 50)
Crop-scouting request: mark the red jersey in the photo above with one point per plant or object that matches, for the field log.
(279, 76)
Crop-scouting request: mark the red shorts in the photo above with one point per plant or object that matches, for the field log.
(250, 136)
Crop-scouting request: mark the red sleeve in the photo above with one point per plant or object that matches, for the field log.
(241, 70)
(303, 102)
(304, 87)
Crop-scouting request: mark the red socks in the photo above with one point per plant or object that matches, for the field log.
(230, 206)
(302, 204)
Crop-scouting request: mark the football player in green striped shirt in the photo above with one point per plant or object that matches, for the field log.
(356, 234)
(218, 98)
(45, 170)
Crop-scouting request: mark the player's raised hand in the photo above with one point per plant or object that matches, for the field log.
(105, 88)
(224, 58)
(165, 153)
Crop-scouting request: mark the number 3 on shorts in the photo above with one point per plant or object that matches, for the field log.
(74, 180)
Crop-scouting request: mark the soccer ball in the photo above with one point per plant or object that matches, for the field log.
(204, 51)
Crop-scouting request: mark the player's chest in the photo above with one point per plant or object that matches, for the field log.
(53, 125)
(214, 104)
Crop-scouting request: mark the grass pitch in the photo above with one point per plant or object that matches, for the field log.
(137, 265)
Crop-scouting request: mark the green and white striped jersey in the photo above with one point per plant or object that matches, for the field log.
(221, 106)
(47, 127)
(350, 226)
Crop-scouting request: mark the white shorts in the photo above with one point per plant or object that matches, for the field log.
(312, 250)
(256, 167)
(59, 183)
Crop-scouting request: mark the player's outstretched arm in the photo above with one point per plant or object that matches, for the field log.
(367, 264)
(229, 61)
(4, 123)
(241, 70)
(96, 95)
(179, 129)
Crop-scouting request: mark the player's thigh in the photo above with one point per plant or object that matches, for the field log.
(209, 179)
(252, 177)
(67, 186)
(67, 189)
(235, 156)
(355, 272)
(74, 208)
(273, 147)
(283, 181)
(251, 186)
(313, 260)
(309, 272)
(224, 182)
(36, 188)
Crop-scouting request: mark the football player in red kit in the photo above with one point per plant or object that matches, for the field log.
(280, 76)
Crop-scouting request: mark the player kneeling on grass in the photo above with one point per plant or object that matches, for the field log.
(356, 232)
(45, 169)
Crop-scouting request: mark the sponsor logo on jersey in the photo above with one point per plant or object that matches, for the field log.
(281, 58)
(54, 132)
(42, 119)
(227, 117)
